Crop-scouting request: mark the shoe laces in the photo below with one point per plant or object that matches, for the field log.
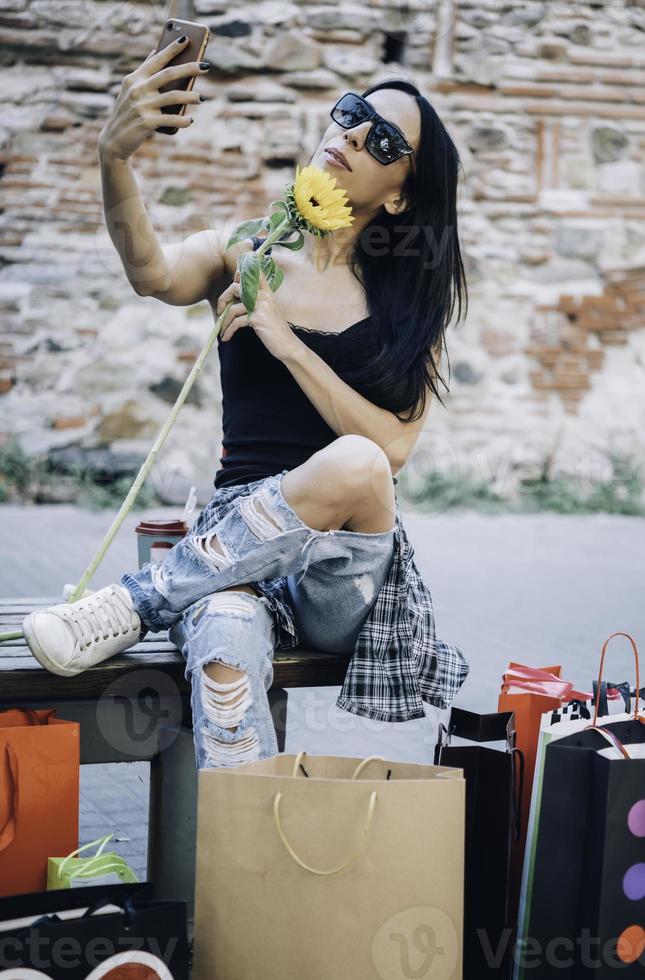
(101, 616)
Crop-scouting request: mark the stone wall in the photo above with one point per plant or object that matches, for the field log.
(546, 103)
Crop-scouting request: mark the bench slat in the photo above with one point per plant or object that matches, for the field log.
(23, 679)
(20, 651)
(21, 601)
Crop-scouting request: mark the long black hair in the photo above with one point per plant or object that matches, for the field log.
(411, 297)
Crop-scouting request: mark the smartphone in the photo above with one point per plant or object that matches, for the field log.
(198, 38)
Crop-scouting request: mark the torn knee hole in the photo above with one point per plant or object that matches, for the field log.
(221, 752)
(158, 578)
(210, 547)
(255, 510)
(225, 703)
(227, 601)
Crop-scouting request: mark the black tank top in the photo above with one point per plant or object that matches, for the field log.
(268, 422)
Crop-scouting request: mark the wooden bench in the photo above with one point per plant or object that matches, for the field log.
(136, 707)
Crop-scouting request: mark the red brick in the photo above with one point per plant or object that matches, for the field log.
(540, 380)
(548, 357)
(571, 380)
(498, 343)
(568, 363)
(613, 338)
(69, 422)
(595, 358)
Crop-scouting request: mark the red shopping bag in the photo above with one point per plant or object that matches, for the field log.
(39, 788)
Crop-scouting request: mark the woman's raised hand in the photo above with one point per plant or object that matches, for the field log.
(137, 110)
(237, 311)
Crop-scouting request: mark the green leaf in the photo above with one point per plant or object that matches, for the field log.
(277, 218)
(267, 265)
(249, 266)
(280, 205)
(295, 245)
(273, 273)
(246, 229)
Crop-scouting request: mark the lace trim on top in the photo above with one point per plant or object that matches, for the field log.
(297, 326)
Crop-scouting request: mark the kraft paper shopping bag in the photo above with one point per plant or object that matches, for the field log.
(324, 867)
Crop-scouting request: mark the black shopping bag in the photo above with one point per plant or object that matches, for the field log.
(493, 791)
(588, 890)
(93, 932)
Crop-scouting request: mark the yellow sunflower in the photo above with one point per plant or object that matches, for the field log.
(320, 205)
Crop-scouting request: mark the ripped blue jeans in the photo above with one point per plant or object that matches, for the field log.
(333, 579)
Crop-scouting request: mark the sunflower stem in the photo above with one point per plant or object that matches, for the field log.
(275, 235)
(268, 241)
(10, 636)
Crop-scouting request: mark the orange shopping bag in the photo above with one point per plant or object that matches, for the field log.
(39, 785)
(529, 692)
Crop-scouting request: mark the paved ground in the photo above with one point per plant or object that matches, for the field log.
(539, 589)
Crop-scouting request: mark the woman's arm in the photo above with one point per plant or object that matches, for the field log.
(346, 411)
(180, 274)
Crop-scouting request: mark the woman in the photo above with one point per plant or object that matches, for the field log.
(318, 416)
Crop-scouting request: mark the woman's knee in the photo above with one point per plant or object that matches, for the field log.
(363, 476)
(232, 632)
(357, 462)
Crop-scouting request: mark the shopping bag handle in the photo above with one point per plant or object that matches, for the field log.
(613, 739)
(8, 832)
(100, 842)
(361, 765)
(307, 867)
(96, 866)
(518, 789)
(637, 716)
(32, 716)
(357, 771)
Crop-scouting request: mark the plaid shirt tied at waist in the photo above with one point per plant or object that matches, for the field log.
(398, 662)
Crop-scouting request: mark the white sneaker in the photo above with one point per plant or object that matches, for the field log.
(71, 636)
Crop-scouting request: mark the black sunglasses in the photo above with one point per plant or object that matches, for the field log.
(385, 141)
